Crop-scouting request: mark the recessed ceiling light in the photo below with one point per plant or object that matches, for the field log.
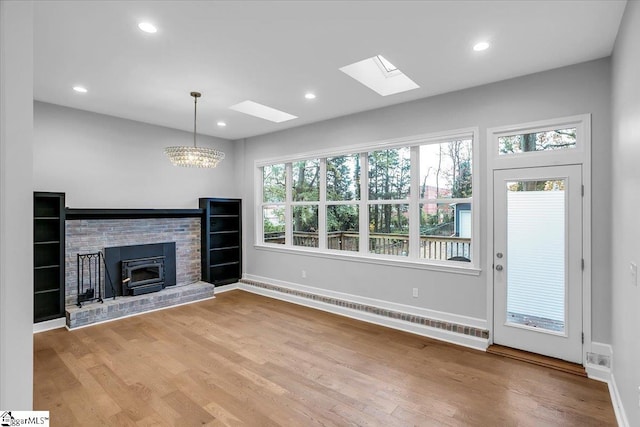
(310, 95)
(478, 47)
(221, 124)
(380, 75)
(262, 111)
(147, 27)
(80, 89)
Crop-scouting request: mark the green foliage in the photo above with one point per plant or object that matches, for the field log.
(273, 188)
(306, 181)
(540, 141)
(342, 218)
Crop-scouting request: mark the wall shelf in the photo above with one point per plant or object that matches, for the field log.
(75, 213)
(221, 248)
(48, 256)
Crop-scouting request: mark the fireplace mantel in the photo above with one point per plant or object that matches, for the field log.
(74, 213)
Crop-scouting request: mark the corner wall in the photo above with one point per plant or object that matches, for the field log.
(16, 205)
(626, 201)
(101, 161)
(577, 89)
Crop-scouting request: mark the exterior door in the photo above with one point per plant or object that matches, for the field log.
(537, 260)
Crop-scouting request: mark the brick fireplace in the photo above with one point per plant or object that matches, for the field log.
(93, 235)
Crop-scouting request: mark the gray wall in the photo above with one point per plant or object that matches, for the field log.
(16, 205)
(578, 89)
(626, 200)
(102, 161)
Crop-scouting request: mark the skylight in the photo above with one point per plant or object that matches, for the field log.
(388, 66)
(380, 75)
(262, 111)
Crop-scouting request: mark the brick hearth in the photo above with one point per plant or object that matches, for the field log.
(125, 306)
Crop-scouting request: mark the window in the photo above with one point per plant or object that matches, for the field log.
(400, 201)
(558, 139)
(273, 207)
(445, 200)
(342, 208)
(305, 192)
(389, 185)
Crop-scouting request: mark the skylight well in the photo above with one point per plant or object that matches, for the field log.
(380, 75)
(262, 111)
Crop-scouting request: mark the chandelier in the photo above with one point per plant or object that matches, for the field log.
(194, 157)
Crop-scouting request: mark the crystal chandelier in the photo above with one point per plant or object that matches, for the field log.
(194, 157)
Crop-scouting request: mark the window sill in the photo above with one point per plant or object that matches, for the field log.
(443, 266)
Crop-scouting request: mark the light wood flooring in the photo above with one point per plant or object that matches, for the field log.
(244, 359)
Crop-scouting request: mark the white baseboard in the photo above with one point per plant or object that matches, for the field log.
(621, 415)
(477, 343)
(602, 371)
(48, 325)
(226, 288)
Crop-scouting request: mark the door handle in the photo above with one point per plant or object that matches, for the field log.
(498, 267)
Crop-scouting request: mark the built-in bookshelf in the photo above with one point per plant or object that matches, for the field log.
(48, 256)
(221, 248)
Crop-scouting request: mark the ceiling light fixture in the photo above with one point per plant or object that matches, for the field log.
(221, 124)
(80, 89)
(479, 47)
(195, 157)
(310, 95)
(148, 27)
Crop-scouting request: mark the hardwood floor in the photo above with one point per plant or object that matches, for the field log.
(244, 359)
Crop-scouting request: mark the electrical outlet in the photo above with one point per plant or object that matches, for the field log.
(633, 269)
(415, 292)
(304, 274)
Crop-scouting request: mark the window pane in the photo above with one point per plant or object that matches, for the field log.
(389, 177)
(559, 139)
(389, 229)
(445, 231)
(306, 181)
(445, 170)
(273, 187)
(342, 227)
(536, 270)
(305, 226)
(273, 220)
(343, 177)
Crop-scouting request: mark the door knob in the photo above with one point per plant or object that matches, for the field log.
(498, 267)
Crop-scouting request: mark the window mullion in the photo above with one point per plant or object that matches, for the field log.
(414, 204)
(322, 206)
(259, 206)
(363, 205)
(288, 211)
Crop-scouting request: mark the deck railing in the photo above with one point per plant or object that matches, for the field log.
(431, 247)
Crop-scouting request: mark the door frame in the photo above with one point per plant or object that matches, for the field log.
(580, 155)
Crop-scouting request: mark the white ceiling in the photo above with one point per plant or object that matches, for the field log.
(273, 52)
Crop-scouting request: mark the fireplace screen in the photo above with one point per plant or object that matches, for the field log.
(142, 275)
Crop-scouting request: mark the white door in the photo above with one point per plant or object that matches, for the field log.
(537, 260)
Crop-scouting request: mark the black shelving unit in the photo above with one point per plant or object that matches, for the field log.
(221, 247)
(48, 256)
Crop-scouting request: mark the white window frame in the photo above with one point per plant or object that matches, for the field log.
(411, 261)
(580, 155)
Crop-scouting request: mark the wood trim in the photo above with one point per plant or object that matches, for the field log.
(537, 359)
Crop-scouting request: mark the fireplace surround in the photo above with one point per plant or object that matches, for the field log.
(141, 268)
